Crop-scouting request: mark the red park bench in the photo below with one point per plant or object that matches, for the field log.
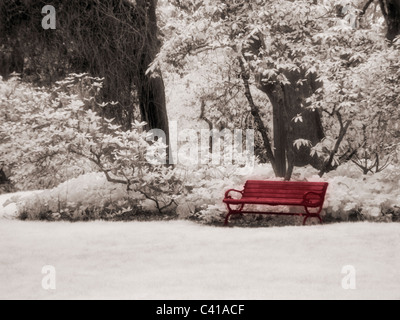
(310, 195)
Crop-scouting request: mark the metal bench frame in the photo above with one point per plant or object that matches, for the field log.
(310, 195)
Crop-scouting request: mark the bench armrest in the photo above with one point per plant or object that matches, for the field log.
(227, 196)
(308, 201)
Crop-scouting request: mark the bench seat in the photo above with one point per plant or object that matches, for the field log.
(269, 201)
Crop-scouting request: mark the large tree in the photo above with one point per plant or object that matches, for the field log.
(288, 99)
(308, 57)
(270, 45)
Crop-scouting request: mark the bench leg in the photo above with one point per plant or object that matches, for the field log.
(232, 212)
(313, 215)
(227, 219)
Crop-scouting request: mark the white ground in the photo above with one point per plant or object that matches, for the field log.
(182, 260)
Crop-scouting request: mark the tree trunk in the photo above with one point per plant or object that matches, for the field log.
(391, 12)
(11, 61)
(153, 107)
(276, 97)
(288, 102)
(3, 177)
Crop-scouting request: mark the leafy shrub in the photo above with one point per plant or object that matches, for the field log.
(36, 126)
(351, 196)
(52, 137)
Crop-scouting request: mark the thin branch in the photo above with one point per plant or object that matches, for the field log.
(210, 124)
(385, 166)
(364, 167)
(168, 205)
(203, 117)
(349, 155)
(366, 6)
(256, 114)
(344, 127)
(205, 48)
(384, 11)
(100, 166)
(157, 203)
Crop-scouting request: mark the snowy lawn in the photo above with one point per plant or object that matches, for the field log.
(182, 260)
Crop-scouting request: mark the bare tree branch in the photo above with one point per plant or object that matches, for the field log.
(344, 127)
(366, 6)
(100, 166)
(256, 114)
(384, 11)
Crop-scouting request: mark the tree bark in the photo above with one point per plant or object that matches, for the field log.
(280, 120)
(391, 12)
(288, 102)
(10, 62)
(3, 177)
(153, 107)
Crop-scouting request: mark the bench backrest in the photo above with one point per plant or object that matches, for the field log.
(283, 189)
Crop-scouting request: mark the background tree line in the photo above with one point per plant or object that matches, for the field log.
(295, 65)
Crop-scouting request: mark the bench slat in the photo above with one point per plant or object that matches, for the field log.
(270, 201)
(285, 187)
(273, 201)
(292, 186)
(261, 182)
(284, 184)
(279, 196)
(283, 191)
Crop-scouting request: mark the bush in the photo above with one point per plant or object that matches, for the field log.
(36, 127)
(52, 137)
(352, 196)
